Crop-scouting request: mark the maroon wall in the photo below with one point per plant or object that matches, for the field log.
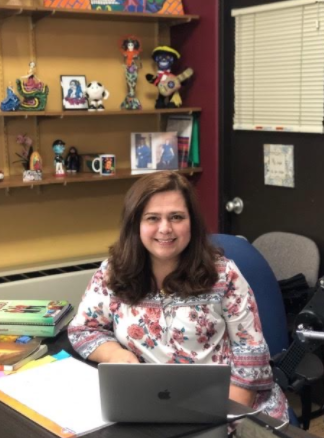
(198, 45)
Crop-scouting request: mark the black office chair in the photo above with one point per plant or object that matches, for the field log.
(290, 370)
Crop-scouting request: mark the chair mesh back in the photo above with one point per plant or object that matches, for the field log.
(290, 254)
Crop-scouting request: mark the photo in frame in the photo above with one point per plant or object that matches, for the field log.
(73, 92)
(154, 151)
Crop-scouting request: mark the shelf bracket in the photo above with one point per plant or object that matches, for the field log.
(7, 191)
(5, 14)
(40, 16)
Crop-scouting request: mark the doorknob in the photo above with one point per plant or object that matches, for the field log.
(236, 205)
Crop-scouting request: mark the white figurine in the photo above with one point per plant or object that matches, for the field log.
(95, 94)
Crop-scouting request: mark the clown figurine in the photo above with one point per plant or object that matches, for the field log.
(168, 84)
(58, 148)
(131, 48)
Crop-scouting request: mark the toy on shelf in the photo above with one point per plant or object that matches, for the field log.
(35, 168)
(72, 160)
(11, 102)
(58, 149)
(131, 47)
(96, 93)
(167, 83)
(33, 91)
(35, 162)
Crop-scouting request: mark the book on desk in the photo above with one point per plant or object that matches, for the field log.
(14, 354)
(42, 318)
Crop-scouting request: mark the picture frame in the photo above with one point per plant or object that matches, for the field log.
(279, 169)
(73, 92)
(154, 151)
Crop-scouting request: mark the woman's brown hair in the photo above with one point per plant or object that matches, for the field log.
(129, 273)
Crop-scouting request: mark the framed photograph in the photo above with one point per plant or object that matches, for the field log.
(154, 150)
(73, 92)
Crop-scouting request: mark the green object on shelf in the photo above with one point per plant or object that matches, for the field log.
(194, 155)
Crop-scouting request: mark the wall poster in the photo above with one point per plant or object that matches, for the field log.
(279, 165)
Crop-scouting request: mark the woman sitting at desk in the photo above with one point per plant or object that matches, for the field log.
(166, 295)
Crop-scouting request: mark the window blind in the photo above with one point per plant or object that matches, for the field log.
(279, 67)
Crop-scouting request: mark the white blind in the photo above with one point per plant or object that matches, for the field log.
(279, 67)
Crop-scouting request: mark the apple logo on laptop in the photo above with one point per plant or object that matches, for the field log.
(164, 395)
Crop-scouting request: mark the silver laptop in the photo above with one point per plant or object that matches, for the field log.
(167, 393)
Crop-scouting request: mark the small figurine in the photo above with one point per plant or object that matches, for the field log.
(72, 160)
(131, 48)
(11, 102)
(167, 83)
(35, 162)
(32, 90)
(95, 93)
(58, 148)
(1, 176)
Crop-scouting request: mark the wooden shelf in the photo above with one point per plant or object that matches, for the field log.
(38, 13)
(49, 179)
(62, 114)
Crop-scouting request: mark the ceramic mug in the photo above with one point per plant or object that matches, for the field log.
(104, 164)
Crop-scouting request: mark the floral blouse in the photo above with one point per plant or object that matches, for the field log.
(221, 327)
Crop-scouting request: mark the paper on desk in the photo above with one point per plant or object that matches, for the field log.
(62, 396)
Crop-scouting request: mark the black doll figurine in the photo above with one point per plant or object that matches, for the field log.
(72, 160)
(168, 84)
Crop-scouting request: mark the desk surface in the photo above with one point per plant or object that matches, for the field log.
(14, 425)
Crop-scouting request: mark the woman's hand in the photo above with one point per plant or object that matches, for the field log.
(112, 352)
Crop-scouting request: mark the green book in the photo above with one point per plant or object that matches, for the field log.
(33, 312)
(43, 331)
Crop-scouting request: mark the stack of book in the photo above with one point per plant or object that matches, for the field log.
(14, 353)
(41, 318)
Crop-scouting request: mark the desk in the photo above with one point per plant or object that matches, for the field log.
(14, 425)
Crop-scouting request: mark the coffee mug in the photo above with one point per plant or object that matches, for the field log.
(104, 164)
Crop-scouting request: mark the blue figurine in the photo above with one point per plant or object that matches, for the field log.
(58, 148)
(11, 102)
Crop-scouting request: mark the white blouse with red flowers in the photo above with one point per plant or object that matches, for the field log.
(222, 326)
